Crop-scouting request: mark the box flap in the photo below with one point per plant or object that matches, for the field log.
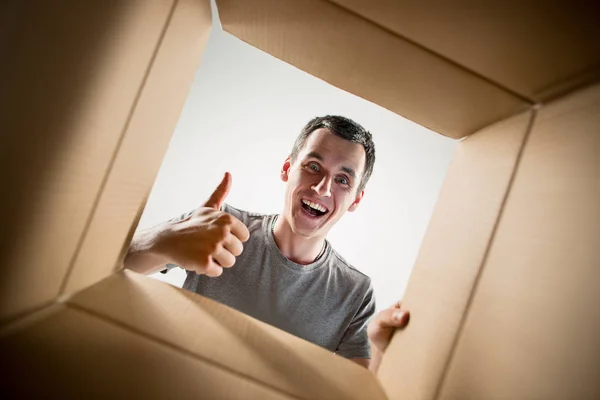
(146, 137)
(226, 337)
(533, 330)
(536, 49)
(73, 354)
(72, 73)
(450, 258)
(372, 62)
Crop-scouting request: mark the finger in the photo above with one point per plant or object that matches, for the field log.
(217, 198)
(240, 230)
(212, 270)
(233, 245)
(224, 258)
(393, 317)
(397, 304)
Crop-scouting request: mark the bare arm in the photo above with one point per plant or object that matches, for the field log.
(143, 255)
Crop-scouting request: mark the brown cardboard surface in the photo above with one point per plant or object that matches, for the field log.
(30, 319)
(503, 296)
(225, 337)
(146, 138)
(348, 51)
(536, 49)
(76, 355)
(533, 330)
(70, 74)
(450, 258)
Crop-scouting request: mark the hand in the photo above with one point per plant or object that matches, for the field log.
(382, 327)
(208, 240)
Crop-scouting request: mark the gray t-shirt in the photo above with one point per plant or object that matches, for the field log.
(327, 302)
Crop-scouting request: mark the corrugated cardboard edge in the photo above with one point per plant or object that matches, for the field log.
(451, 257)
(145, 140)
(362, 58)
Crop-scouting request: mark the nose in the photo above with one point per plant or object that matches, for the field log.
(323, 187)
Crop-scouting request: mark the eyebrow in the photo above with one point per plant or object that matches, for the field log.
(314, 154)
(349, 171)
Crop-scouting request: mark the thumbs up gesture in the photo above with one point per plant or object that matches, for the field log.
(206, 241)
(217, 198)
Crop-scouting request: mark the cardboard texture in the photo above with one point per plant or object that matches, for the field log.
(533, 329)
(130, 317)
(128, 98)
(76, 355)
(72, 76)
(535, 50)
(503, 295)
(145, 140)
(352, 53)
(528, 325)
(451, 255)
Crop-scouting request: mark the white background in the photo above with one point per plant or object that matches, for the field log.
(242, 115)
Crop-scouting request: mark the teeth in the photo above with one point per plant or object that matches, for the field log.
(315, 206)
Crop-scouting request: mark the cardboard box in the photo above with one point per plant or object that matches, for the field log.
(131, 336)
(503, 295)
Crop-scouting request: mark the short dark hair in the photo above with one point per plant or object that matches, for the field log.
(346, 129)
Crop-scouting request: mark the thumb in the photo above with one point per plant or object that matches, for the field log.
(218, 197)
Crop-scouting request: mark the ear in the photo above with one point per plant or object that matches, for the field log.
(286, 169)
(357, 200)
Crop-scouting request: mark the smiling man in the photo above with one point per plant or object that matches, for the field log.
(287, 274)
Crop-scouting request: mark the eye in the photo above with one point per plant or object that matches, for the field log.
(342, 180)
(313, 167)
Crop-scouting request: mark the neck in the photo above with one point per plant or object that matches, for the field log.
(298, 249)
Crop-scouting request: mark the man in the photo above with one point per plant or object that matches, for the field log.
(287, 274)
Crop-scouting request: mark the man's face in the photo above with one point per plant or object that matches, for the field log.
(322, 183)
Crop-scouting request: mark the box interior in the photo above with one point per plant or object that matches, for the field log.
(503, 293)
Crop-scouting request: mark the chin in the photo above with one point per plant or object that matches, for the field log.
(300, 228)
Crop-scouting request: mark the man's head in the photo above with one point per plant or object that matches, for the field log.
(346, 129)
(326, 172)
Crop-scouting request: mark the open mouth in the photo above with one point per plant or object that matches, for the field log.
(314, 209)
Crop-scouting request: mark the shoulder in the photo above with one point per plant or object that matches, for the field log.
(353, 275)
(250, 219)
(356, 284)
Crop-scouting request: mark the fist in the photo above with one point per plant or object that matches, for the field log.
(208, 240)
(382, 327)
